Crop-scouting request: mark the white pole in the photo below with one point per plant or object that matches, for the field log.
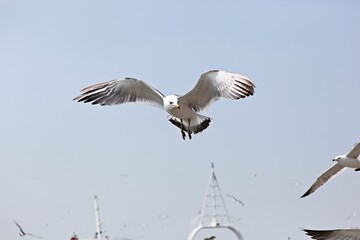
(98, 223)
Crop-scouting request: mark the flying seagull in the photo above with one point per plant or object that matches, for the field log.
(235, 199)
(23, 234)
(349, 160)
(210, 238)
(184, 109)
(353, 215)
(336, 234)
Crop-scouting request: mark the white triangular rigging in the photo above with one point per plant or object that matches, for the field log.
(214, 213)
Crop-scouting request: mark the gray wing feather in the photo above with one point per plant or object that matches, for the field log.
(121, 91)
(324, 178)
(355, 151)
(32, 235)
(22, 231)
(215, 84)
(336, 234)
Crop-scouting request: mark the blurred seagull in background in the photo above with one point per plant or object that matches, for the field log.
(336, 234)
(349, 160)
(23, 234)
(258, 174)
(184, 109)
(295, 184)
(235, 199)
(353, 215)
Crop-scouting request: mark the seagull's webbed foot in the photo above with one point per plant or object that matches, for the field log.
(189, 131)
(182, 129)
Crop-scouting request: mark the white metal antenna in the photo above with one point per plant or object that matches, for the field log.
(98, 232)
(214, 213)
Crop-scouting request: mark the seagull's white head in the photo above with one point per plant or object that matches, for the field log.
(171, 102)
(337, 158)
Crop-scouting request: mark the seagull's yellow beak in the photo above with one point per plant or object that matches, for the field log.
(177, 106)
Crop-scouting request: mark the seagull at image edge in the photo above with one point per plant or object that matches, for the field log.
(336, 234)
(349, 160)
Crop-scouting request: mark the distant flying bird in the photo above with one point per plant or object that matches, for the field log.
(235, 199)
(236, 219)
(184, 109)
(23, 234)
(258, 174)
(295, 184)
(162, 217)
(336, 234)
(353, 215)
(210, 238)
(349, 160)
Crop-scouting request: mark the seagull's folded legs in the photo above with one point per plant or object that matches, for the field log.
(189, 131)
(182, 129)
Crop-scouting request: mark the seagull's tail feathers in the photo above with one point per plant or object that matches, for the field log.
(197, 124)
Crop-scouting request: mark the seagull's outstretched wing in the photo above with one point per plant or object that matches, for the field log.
(215, 84)
(355, 151)
(324, 178)
(32, 235)
(22, 231)
(337, 234)
(121, 91)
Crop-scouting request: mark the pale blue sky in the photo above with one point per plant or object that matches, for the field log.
(56, 154)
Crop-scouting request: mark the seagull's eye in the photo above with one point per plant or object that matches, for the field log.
(171, 102)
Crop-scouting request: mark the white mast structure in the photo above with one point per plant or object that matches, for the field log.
(98, 233)
(214, 213)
